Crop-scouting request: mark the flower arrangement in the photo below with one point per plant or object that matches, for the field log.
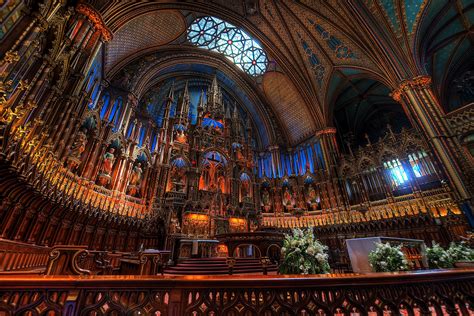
(438, 257)
(460, 252)
(303, 254)
(441, 258)
(387, 258)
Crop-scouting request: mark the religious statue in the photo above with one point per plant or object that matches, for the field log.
(287, 198)
(107, 165)
(266, 200)
(77, 148)
(178, 179)
(313, 198)
(221, 182)
(238, 153)
(245, 189)
(135, 179)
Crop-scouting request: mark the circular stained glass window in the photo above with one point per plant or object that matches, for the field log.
(217, 35)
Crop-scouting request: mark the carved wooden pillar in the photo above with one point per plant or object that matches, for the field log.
(123, 180)
(85, 170)
(75, 234)
(5, 206)
(48, 235)
(21, 230)
(118, 173)
(96, 242)
(120, 241)
(10, 220)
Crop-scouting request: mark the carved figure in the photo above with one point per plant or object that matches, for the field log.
(77, 148)
(107, 165)
(135, 180)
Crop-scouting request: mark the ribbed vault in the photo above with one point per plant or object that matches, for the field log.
(308, 42)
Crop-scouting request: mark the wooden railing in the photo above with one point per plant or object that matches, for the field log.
(16, 256)
(442, 292)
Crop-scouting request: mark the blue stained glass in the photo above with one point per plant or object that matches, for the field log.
(153, 142)
(142, 136)
(417, 171)
(217, 35)
(105, 106)
(94, 97)
(130, 128)
(310, 158)
(396, 172)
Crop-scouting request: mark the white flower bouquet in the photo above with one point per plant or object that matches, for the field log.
(438, 257)
(460, 252)
(387, 258)
(303, 254)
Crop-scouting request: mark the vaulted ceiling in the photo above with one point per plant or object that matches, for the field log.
(314, 48)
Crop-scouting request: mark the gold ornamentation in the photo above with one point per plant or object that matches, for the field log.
(11, 57)
(396, 95)
(421, 82)
(95, 18)
(416, 82)
(326, 131)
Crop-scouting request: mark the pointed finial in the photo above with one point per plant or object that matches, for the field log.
(171, 93)
(186, 90)
(201, 100)
(348, 143)
(390, 131)
(368, 139)
(214, 84)
(235, 114)
(227, 113)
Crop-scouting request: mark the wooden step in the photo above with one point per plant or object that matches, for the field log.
(218, 266)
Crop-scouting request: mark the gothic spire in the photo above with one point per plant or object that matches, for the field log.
(201, 104)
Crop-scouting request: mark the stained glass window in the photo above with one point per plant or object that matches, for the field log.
(219, 36)
(397, 173)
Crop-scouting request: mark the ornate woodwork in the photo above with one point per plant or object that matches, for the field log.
(433, 292)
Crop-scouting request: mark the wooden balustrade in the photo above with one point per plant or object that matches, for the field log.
(17, 256)
(441, 292)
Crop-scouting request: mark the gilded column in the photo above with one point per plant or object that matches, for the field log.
(418, 100)
(327, 139)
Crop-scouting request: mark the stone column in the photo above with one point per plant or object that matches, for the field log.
(421, 105)
(327, 139)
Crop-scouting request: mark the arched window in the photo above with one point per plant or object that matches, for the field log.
(105, 106)
(217, 35)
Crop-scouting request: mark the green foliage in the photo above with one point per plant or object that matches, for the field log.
(387, 258)
(460, 252)
(441, 258)
(303, 254)
(438, 257)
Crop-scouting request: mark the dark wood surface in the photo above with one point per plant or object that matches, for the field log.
(444, 292)
(251, 281)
